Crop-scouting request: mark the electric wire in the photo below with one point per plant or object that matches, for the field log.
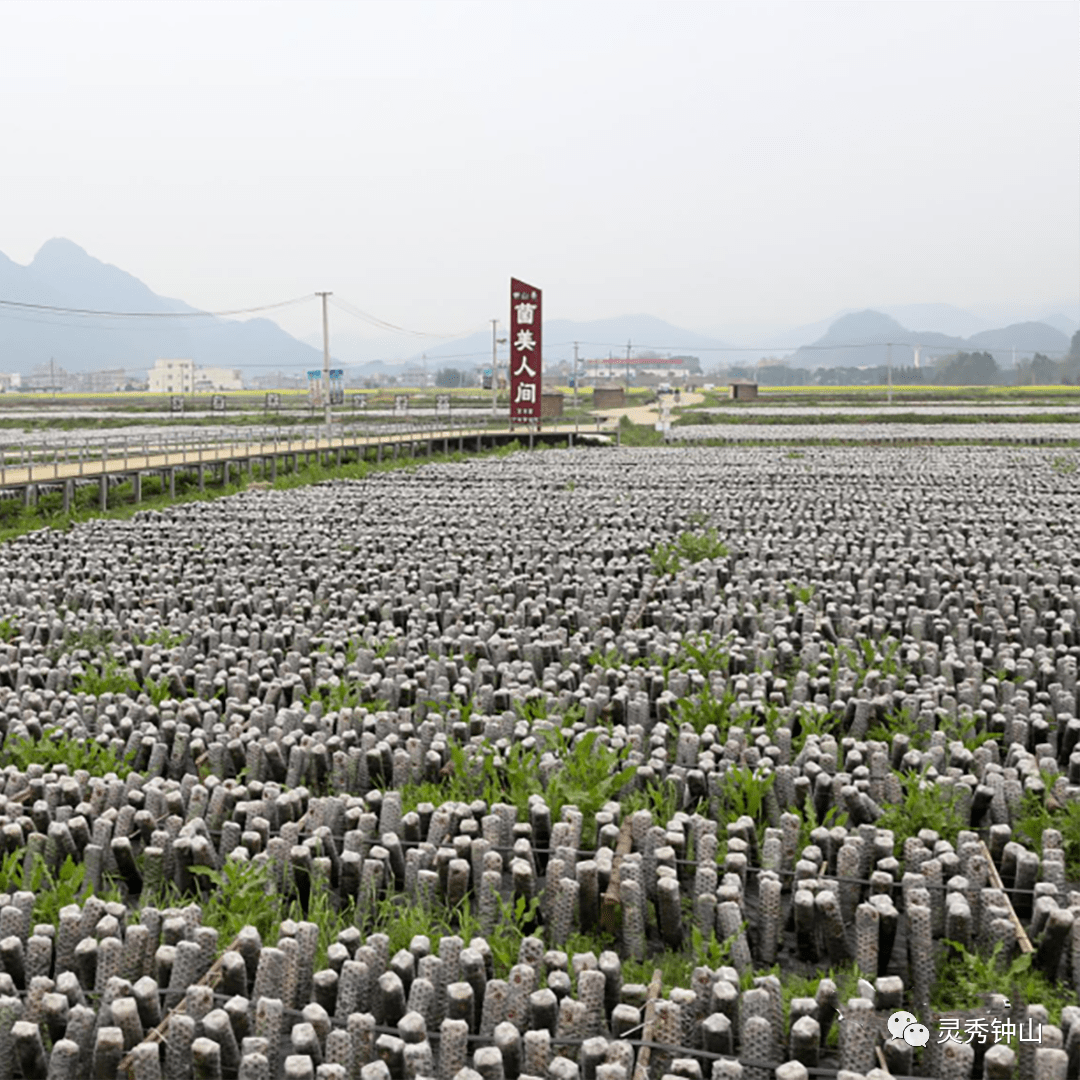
(93, 313)
(50, 314)
(357, 313)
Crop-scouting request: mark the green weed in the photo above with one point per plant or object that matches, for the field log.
(899, 723)
(701, 710)
(164, 638)
(667, 558)
(965, 979)
(660, 799)
(95, 639)
(515, 921)
(926, 805)
(706, 655)
(743, 791)
(240, 894)
(631, 434)
(321, 910)
(676, 967)
(334, 697)
(52, 891)
(59, 749)
(812, 723)
(588, 777)
(113, 678)
(834, 816)
(1035, 818)
(385, 648)
(804, 594)
(610, 659)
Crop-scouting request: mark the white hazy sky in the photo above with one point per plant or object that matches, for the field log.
(708, 163)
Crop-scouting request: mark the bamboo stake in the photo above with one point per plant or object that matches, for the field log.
(610, 904)
(995, 879)
(641, 1069)
(158, 1034)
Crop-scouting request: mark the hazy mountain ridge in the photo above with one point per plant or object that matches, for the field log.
(955, 323)
(62, 274)
(870, 338)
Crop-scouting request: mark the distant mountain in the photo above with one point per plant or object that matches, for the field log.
(358, 349)
(62, 274)
(596, 340)
(944, 318)
(947, 319)
(1067, 324)
(863, 339)
(1023, 337)
(1002, 314)
(799, 335)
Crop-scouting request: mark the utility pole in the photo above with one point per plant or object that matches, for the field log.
(889, 363)
(326, 359)
(628, 369)
(52, 375)
(576, 376)
(495, 342)
(494, 369)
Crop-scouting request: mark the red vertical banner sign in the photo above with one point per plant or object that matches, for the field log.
(525, 329)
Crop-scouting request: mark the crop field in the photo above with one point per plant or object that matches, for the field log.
(589, 764)
(920, 414)
(810, 429)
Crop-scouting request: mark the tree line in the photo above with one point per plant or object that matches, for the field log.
(958, 369)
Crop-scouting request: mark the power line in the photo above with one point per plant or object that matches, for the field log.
(685, 349)
(382, 324)
(20, 305)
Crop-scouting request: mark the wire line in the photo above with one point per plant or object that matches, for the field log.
(18, 304)
(382, 324)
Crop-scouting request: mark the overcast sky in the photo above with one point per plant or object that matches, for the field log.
(713, 164)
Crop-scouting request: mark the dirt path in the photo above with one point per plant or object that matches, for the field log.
(650, 414)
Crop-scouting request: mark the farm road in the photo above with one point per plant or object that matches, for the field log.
(649, 414)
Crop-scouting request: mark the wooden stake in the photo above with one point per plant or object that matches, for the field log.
(211, 978)
(611, 902)
(995, 879)
(641, 1069)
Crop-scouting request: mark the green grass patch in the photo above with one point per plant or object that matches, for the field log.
(631, 434)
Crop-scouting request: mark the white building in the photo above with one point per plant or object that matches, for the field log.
(218, 378)
(183, 377)
(172, 377)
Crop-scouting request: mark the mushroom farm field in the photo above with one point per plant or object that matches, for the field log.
(593, 764)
